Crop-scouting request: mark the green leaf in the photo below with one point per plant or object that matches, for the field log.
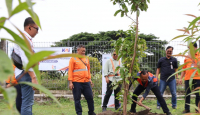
(18, 40)
(26, 41)
(42, 89)
(192, 51)
(122, 13)
(117, 12)
(194, 106)
(9, 6)
(191, 79)
(9, 95)
(178, 37)
(37, 73)
(2, 21)
(138, 13)
(20, 7)
(34, 17)
(18, 43)
(180, 71)
(37, 57)
(6, 68)
(194, 21)
(148, 1)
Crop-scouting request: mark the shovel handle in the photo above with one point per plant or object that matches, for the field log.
(143, 105)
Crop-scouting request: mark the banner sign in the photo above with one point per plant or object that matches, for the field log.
(52, 64)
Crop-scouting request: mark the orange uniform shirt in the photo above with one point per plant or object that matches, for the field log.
(188, 73)
(78, 71)
(12, 79)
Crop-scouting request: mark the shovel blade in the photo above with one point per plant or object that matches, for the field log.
(143, 112)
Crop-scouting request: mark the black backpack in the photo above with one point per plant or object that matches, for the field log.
(17, 60)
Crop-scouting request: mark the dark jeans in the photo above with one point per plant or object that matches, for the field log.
(108, 94)
(86, 90)
(195, 83)
(18, 98)
(139, 89)
(27, 95)
(172, 87)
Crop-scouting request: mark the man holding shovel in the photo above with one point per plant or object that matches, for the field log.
(149, 82)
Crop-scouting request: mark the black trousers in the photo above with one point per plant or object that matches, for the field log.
(139, 89)
(196, 83)
(18, 98)
(108, 94)
(86, 90)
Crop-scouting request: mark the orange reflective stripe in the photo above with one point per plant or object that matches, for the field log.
(114, 66)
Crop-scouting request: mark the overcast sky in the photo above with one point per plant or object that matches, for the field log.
(61, 19)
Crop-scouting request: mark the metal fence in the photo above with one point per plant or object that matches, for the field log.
(156, 50)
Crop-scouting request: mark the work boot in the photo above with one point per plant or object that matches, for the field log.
(103, 109)
(174, 107)
(186, 111)
(168, 113)
(158, 107)
(92, 113)
(132, 111)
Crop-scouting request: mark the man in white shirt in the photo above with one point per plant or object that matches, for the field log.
(27, 92)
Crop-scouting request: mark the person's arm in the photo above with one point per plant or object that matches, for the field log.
(148, 89)
(182, 75)
(89, 73)
(106, 68)
(176, 74)
(157, 72)
(70, 73)
(176, 68)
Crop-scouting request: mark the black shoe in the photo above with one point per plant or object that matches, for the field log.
(174, 107)
(103, 109)
(158, 107)
(132, 111)
(186, 111)
(92, 113)
(168, 113)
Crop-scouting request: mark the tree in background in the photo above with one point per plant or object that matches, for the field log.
(95, 48)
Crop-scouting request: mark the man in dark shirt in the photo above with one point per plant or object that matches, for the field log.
(167, 66)
(149, 82)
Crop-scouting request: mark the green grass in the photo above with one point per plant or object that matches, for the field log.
(51, 108)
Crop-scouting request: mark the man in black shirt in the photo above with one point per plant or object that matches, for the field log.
(167, 66)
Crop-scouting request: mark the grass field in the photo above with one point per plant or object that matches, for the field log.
(51, 108)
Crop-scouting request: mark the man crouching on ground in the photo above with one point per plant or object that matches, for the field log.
(149, 82)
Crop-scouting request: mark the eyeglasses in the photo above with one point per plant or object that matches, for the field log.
(114, 54)
(35, 28)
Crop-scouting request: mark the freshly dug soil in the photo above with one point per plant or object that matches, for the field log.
(109, 112)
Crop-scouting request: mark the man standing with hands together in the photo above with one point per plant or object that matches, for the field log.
(80, 79)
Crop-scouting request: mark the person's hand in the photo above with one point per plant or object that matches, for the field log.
(8, 85)
(34, 81)
(91, 83)
(107, 80)
(140, 103)
(177, 81)
(180, 81)
(71, 86)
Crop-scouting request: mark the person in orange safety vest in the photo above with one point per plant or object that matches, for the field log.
(147, 81)
(12, 81)
(80, 81)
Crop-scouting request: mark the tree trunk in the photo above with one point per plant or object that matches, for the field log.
(126, 85)
(3, 45)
